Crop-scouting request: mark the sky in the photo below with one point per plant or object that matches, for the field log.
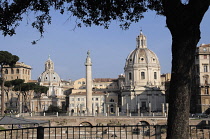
(109, 48)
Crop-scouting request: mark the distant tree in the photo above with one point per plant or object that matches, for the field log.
(26, 90)
(6, 58)
(17, 83)
(183, 19)
(39, 90)
(17, 86)
(52, 109)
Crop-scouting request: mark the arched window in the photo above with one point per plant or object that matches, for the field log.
(6, 71)
(17, 71)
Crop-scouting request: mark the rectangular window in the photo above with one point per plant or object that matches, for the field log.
(78, 99)
(82, 99)
(129, 77)
(96, 99)
(205, 68)
(155, 75)
(142, 75)
(72, 99)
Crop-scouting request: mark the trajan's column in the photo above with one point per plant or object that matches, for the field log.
(88, 65)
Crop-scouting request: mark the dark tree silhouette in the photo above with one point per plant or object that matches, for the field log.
(6, 58)
(182, 18)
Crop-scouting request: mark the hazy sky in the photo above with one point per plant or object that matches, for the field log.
(109, 48)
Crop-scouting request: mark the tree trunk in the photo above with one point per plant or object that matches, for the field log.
(183, 22)
(2, 91)
(183, 57)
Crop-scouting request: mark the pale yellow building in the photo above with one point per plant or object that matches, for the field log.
(105, 83)
(104, 96)
(19, 71)
(202, 63)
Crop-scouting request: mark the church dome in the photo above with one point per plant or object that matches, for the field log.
(142, 56)
(49, 75)
(142, 66)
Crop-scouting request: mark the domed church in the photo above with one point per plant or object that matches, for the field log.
(142, 89)
(50, 79)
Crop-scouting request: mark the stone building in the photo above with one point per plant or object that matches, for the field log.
(165, 81)
(14, 99)
(58, 89)
(142, 88)
(19, 71)
(202, 64)
(77, 103)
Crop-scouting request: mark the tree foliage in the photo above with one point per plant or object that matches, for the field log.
(40, 89)
(52, 109)
(6, 58)
(25, 91)
(87, 11)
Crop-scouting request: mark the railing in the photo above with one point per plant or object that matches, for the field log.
(100, 132)
(57, 114)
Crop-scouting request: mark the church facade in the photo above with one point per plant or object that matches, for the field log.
(142, 89)
(58, 89)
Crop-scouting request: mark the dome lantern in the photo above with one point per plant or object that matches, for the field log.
(141, 41)
(49, 65)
